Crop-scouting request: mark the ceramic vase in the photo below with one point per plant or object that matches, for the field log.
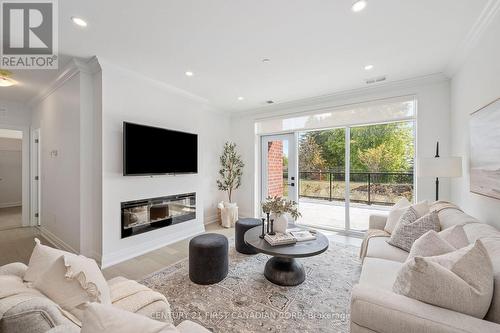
(280, 223)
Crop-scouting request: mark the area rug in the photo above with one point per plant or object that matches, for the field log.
(246, 302)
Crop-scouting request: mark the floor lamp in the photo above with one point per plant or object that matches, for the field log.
(437, 166)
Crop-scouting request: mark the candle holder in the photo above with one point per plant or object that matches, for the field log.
(263, 228)
(267, 222)
(272, 228)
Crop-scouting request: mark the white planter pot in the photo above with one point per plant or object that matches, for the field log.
(228, 214)
(280, 223)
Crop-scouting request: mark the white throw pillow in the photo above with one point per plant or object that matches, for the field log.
(73, 282)
(396, 211)
(430, 244)
(41, 259)
(109, 319)
(461, 280)
(456, 236)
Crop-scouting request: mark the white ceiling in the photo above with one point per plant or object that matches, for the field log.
(316, 47)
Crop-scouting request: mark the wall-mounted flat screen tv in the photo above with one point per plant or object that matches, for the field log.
(151, 150)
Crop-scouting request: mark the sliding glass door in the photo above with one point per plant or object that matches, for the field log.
(359, 166)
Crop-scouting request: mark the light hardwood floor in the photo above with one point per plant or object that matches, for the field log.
(142, 266)
(17, 244)
(10, 217)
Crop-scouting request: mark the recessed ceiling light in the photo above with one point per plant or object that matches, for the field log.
(241, 98)
(188, 73)
(79, 21)
(270, 102)
(359, 5)
(368, 67)
(266, 60)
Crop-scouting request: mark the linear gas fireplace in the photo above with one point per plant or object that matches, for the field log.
(150, 214)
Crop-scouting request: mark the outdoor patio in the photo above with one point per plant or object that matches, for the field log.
(331, 214)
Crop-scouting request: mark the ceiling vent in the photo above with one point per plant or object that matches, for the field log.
(3, 112)
(376, 79)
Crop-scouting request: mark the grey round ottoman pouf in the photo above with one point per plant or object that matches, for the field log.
(208, 258)
(242, 225)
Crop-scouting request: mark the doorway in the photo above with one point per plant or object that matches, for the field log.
(11, 178)
(279, 166)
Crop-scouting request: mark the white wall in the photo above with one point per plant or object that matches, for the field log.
(58, 117)
(17, 116)
(433, 123)
(476, 84)
(128, 96)
(10, 172)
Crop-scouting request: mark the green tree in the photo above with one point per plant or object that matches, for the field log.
(383, 147)
(310, 158)
(391, 144)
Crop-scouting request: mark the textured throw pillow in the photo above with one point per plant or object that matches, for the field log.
(73, 282)
(456, 236)
(395, 215)
(461, 281)
(411, 227)
(430, 244)
(41, 258)
(109, 319)
(396, 211)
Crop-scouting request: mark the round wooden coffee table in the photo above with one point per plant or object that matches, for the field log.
(283, 269)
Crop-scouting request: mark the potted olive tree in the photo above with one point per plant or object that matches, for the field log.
(230, 173)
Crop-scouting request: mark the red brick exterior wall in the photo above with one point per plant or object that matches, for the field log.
(275, 168)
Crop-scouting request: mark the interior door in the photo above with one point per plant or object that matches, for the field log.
(279, 166)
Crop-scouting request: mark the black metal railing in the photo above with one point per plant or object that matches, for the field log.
(381, 188)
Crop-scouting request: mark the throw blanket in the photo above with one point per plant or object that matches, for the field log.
(132, 296)
(441, 205)
(14, 292)
(371, 233)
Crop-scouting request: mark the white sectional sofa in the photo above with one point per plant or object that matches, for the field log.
(376, 308)
(28, 310)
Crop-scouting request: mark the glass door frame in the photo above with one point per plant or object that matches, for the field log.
(292, 138)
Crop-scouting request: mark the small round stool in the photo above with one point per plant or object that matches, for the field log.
(242, 225)
(208, 259)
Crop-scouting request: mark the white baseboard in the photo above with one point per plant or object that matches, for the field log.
(10, 204)
(130, 252)
(56, 241)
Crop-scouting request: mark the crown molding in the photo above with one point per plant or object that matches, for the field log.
(305, 104)
(470, 41)
(73, 67)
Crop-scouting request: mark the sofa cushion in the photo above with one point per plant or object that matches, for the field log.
(100, 318)
(379, 273)
(461, 281)
(450, 216)
(474, 231)
(492, 245)
(379, 248)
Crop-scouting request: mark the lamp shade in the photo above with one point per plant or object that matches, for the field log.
(440, 167)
